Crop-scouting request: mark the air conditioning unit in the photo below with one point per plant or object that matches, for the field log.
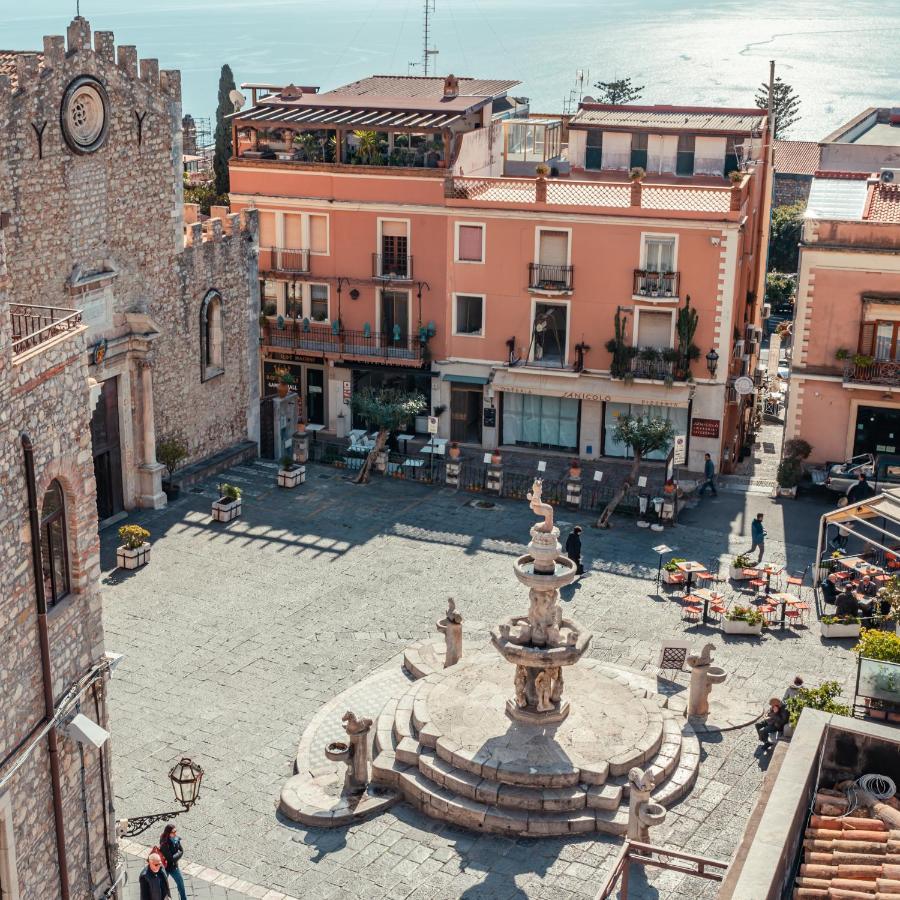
(738, 349)
(890, 176)
(766, 310)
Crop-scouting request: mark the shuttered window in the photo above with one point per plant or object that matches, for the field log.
(318, 234)
(292, 232)
(654, 329)
(470, 243)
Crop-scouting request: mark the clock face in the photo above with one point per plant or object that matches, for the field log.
(84, 114)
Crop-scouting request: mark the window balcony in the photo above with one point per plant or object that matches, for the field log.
(878, 372)
(35, 325)
(552, 279)
(655, 284)
(376, 346)
(392, 266)
(283, 260)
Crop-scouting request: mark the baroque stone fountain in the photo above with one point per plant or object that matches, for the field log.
(543, 643)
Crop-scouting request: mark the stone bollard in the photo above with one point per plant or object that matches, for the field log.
(451, 473)
(301, 446)
(495, 477)
(642, 812)
(573, 491)
(451, 627)
(703, 676)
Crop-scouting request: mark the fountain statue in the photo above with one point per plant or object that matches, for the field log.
(451, 627)
(642, 812)
(355, 754)
(543, 642)
(703, 676)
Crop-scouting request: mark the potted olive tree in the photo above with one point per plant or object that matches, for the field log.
(228, 506)
(291, 473)
(135, 551)
(171, 452)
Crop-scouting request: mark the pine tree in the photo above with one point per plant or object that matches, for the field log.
(619, 91)
(223, 130)
(785, 102)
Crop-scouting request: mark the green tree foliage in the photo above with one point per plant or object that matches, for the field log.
(619, 91)
(386, 409)
(205, 195)
(785, 102)
(223, 130)
(784, 237)
(822, 697)
(780, 288)
(643, 434)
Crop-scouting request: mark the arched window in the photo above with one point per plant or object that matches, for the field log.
(212, 337)
(54, 544)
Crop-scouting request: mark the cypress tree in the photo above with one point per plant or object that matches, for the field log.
(223, 130)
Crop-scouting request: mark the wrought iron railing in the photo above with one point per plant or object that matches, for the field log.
(394, 266)
(550, 278)
(656, 368)
(33, 325)
(283, 259)
(876, 372)
(655, 284)
(296, 334)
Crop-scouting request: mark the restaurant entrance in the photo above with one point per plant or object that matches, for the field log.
(877, 430)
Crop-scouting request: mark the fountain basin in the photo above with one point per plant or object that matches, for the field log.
(337, 751)
(715, 675)
(559, 653)
(564, 572)
(653, 814)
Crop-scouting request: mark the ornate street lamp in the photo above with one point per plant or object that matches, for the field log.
(712, 361)
(186, 777)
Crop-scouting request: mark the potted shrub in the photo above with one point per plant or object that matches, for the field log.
(862, 361)
(736, 177)
(291, 473)
(637, 174)
(879, 673)
(842, 353)
(228, 506)
(790, 470)
(171, 452)
(743, 620)
(670, 569)
(135, 550)
(840, 626)
(821, 697)
(285, 382)
(738, 564)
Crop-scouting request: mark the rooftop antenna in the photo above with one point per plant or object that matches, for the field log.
(428, 51)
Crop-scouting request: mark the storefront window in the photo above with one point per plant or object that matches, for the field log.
(532, 420)
(612, 413)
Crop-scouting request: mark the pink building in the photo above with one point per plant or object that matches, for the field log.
(845, 380)
(428, 232)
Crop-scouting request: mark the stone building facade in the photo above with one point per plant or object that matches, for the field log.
(91, 186)
(123, 320)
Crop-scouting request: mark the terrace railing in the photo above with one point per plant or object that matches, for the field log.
(34, 325)
(394, 266)
(283, 259)
(655, 284)
(550, 278)
(322, 339)
(877, 372)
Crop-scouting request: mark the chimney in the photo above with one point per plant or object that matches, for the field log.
(451, 87)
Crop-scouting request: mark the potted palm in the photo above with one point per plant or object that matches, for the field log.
(743, 620)
(228, 506)
(291, 473)
(135, 551)
(171, 452)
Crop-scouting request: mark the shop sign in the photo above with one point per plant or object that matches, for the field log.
(743, 385)
(272, 371)
(705, 428)
(680, 449)
(297, 357)
(583, 395)
(346, 385)
(432, 425)
(490, 417)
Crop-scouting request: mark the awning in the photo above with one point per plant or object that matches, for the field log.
(857, 519)
(581, 386)
(466, 379)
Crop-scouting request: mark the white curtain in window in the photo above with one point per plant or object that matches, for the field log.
(660, 255)
(550, 422)
(883, 339)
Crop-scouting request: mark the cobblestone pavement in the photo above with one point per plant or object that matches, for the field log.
(236, 635)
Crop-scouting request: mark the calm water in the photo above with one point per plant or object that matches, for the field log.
(840, 56)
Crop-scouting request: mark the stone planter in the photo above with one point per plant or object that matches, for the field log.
(224, 510)
(132, 558)
(290, 478)
(739, 626)
(836, 630)
(671, 577)
(736, 573)
(786, 492)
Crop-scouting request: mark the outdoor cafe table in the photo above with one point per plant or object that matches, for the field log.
(860, 566)
(785, 600)
(689, 567)
(315, 429)
(707, 596)
(406, 438)
(769, 569)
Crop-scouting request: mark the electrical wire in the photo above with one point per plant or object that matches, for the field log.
(879, 786)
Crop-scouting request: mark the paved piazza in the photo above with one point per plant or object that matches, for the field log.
(235, 636)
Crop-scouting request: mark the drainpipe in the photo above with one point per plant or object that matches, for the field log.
(44, 640)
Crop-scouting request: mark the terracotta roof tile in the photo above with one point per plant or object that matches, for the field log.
(884, 204)
(796, 157)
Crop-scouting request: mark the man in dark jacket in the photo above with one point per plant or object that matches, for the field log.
(775, 719)
(709, 473)
(153, 881)
(573, 549)
(861, 490)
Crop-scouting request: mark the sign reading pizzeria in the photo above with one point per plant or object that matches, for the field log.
(705, 428)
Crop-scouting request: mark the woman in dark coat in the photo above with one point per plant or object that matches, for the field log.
(170, 845)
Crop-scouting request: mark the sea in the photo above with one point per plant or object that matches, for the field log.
(840, 57)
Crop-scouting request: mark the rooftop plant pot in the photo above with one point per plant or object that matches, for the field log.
(132, 557)
(224, 510)
(841, 630)
(739, 626)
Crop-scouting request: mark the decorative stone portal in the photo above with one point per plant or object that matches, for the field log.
(512, 738)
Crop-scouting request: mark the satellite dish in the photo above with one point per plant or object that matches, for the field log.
(887, 176)
(238, 99)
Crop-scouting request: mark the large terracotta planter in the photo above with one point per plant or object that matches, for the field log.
(224, 510)
(132, 558)
(739, 626)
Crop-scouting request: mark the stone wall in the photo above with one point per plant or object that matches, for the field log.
(791, 189)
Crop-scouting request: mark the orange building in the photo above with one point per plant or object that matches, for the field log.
(430, 233)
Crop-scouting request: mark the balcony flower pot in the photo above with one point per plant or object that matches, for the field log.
(135, 551)
(836, 629)
(228, 506)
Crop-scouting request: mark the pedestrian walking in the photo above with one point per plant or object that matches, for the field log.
(172, 851)
(758, 535)
(573, 549)
(709, 473)
(153, 881)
